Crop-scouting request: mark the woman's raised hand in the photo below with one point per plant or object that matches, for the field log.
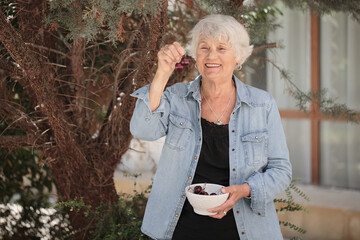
(168, 56)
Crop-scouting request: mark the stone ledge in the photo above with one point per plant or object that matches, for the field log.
(322, 223)
(334, 214)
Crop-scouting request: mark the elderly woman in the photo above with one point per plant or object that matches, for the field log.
(218, 130)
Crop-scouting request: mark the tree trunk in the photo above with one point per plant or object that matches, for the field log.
(82, 166)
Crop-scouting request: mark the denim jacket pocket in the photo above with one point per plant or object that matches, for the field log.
(179, 132)
(255, 147)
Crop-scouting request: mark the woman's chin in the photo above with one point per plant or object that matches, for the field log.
(211, 72)
(213, 75)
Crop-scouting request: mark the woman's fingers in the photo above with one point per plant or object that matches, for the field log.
(171, 55)
(228, 204)
(221, 214)
(179, 49)
(225, 207)
(174, 51)
(235, 193)
(168, 56)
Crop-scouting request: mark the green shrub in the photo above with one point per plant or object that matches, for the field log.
(120, 221)
(289, 205)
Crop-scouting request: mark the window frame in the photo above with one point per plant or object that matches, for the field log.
(314, 114)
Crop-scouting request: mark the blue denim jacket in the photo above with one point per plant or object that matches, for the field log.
(257, 150)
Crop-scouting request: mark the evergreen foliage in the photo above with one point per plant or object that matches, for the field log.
(321, 7)
(259, 19)
(120, 221)
(85, 19)
(24, 197)
(328, 106)
(288, 204)
(8, 7)
(25, 184)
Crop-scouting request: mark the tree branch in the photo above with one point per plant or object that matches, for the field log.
(78, 74)
(116, 133)
(41, 80)
(9, 67)
(48, 49)
(264, 46)
(18, 141)
(20, 118)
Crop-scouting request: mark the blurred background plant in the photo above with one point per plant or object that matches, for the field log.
(289, 205)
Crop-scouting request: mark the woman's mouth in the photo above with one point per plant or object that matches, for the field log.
(212, 65)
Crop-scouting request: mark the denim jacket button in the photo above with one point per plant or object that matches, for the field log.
(176, 215)
(190, 177)
(256, 137)
(181, 124)
(195, 158)
(233, 130)
(234, 169)
(242, 233)
(183, 196)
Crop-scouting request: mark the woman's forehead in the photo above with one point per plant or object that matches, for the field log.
(218, 41)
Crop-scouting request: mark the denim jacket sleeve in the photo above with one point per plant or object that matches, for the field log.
(146, 124)
(276, 177)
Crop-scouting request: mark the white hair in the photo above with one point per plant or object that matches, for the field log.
(221, 28)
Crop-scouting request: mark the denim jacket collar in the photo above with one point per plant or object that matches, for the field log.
(242, 93)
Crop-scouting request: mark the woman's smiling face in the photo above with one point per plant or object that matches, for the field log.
(215, 59)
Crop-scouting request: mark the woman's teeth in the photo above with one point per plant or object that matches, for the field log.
(212, 65)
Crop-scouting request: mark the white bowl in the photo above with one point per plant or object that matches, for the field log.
(201, 203)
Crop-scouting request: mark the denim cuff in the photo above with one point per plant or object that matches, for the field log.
(143, 94)
(258, 195)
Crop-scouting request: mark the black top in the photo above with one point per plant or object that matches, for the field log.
(213, 167)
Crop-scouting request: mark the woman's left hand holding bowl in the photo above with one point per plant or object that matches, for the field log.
(236, 192)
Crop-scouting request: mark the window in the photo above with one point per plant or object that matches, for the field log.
(319, 52)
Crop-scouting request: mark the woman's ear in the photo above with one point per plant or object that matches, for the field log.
(238, 61)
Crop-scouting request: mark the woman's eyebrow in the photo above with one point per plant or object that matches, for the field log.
(224, 44)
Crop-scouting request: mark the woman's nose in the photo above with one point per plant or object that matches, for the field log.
(212, 53)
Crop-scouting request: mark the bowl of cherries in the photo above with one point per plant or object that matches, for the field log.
(203, 196)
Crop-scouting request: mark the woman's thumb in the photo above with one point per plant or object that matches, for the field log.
(225, 190)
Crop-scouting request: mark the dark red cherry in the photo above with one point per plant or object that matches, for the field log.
(197, 189)
(185, 61)
(179, 66)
